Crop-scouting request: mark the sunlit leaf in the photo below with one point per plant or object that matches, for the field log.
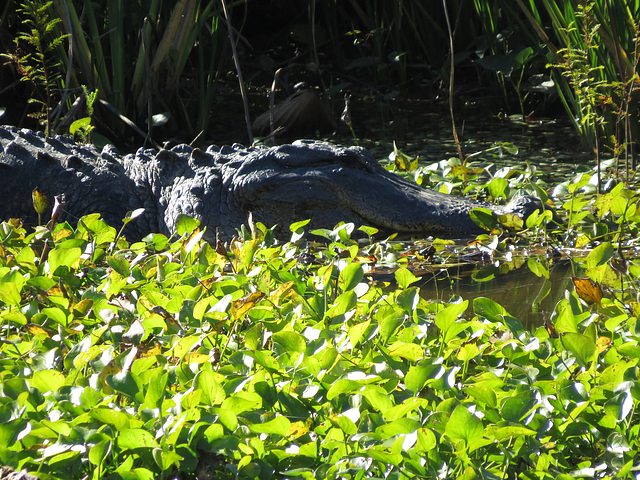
(463, 425)
(290, 341)
(135, 438)
(99, 452)
(63, 257)
(404, 277)
(517, 407)
(47, 380)
(350, 276)
(498, 187)
(279, 426)
(79, 124)
(124, 382)
(409, 351)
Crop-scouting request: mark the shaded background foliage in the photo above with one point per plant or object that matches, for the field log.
(173, 60)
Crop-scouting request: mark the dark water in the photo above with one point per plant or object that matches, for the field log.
(518, 291)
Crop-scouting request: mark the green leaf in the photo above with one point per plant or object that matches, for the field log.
(405, 278)
(356, 332)
(212, 392)
(418, 375)
(165, 458)
(410, 351)
(132, 215)
(186, 224)
(100, 451)
(66, 257)
(238, 403)
(377, 397)
(446, 320)
(214, 432)
(290, 341)
(278, 426)
(108, 416)
(11, 430)
(135, 438)
(124, 382)
(447, 316)
(342, 386)
(483, 394)
(79, 124)
(483, 217)
(582, 347)
(47, 380)
(10, 288)
(120, 265)
(600, 255)
(350, 276)
(398, 427)
(516, 407)
(485, 307)
(512, 431)
(498, 188)
(463, 425)
(297, 230)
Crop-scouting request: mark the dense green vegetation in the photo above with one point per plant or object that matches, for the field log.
(171, 358)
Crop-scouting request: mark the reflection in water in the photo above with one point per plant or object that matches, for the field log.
(518, 291)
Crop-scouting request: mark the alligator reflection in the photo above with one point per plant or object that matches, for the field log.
(519, 291)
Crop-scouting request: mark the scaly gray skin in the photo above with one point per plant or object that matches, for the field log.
(220, 187)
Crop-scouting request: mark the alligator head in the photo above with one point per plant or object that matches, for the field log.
(327, 184)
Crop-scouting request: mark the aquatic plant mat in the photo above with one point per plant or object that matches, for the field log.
(173, 358)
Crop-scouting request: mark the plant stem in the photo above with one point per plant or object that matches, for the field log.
(236, 62)
(451, 74)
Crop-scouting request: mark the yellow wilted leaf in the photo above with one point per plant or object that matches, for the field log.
(603, 343)
(244, 305)
(34, 329)
(81, 309)
(150, 350)
(463, 171)
(40, 201)
(588, 290)
(403, 161)
(297, 429)
(196, 357)
(282, 292)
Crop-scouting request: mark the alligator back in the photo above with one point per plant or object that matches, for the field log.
(91, 181)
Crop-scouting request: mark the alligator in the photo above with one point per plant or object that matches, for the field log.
(221, 186)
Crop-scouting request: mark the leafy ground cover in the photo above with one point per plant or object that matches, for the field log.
(172, 358)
